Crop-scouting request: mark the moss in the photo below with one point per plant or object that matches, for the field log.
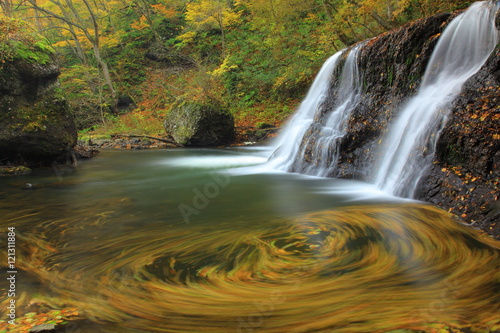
(199, 122)
(390, 75)
(455, 156)
(19, 42)
(36, 117)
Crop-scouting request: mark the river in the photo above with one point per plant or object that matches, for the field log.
(206, 240)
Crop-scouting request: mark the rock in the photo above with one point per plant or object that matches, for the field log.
(44, 328)
(392, 66)
(125, 104)
(14, 170)
(84, 151)
(261, 126)
(36, 124)
(471, 137)
(200, 123)
(37, 133)
(464, 177)
(469, 145)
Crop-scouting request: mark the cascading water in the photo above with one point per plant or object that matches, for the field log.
(462, 49)
(316, 132)
(310, 143)
(289, 140)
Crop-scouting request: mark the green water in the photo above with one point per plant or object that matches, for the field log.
(206, 240)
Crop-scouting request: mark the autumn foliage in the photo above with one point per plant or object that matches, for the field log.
(249, 54)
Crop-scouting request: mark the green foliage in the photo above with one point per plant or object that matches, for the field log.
(19, 42)
(245, 53)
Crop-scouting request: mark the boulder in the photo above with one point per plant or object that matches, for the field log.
(36, 124)
(200, 123)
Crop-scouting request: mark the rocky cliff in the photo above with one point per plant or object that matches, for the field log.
(36, 125)
(464, 176)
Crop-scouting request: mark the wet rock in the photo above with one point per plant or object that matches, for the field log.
(85, 151)
(200, 123)
(469, 146)
(393, 65)
(464, 177)
(36, 124)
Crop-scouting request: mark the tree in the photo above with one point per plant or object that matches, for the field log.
(204, 14)
(74, 20)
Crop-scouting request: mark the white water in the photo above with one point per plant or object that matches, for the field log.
(324, 146)
(325, 151)
(462, 49)
(409, 147)
(289, 140)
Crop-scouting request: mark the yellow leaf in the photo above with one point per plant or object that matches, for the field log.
(140, 24)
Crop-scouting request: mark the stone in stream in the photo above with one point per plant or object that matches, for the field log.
(200, 123)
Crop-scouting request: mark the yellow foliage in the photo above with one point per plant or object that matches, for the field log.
(162, 9)
(402, 5)
(223, 68)
(63, 43)
(277, 12)
(110, 41)
(211, 13)
(140, 24)
(187, 37)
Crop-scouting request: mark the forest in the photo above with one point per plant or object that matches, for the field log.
(123, 63)
(375, 209)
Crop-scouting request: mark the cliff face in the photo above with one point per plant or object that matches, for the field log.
(464, 176)
(36, 125)
(393, 66)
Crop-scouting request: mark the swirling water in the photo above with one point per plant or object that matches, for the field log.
(171, 241)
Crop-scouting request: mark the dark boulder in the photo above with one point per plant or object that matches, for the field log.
(200, 123)
(35, 128)
(36, 124)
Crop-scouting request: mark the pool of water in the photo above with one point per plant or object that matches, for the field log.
(209, 240)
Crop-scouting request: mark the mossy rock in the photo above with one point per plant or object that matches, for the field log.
(200, 123)
(36, 124)
(18, 41)
(37, 133)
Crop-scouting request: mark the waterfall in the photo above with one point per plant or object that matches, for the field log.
(311, 141)
(462, 49)
(288, 144)
(314, 134)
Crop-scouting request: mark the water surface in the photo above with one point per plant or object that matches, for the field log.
(200, 241)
